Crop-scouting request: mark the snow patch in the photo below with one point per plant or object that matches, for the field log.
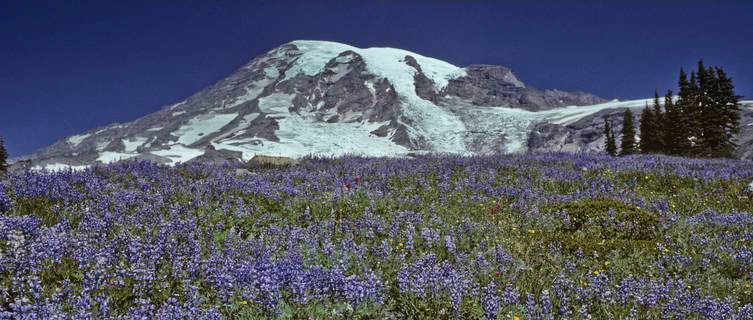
(380, 61)
(571, 114)
(271, 72)
(300, 136)
(255, 89)
(102, 144)
(59, 167)
(76, 140)
(512, 123)
(111, 156)
(198, 127)
(243, 123)
(276, 103)
(177, 113)
(178, 153)
(131, 144)
(176, 105)
(370, 85)
(340, 71)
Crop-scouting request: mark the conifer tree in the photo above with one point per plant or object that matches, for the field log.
(658, 122)
(709, 113)
(724, 109)
(609, 144)
(3, 158)
(672, 126)
(698, 118)
(676, 124)
(648, 132)
(703, 122)
(627, 145)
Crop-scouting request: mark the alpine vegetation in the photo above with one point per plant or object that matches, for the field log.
(535, 236)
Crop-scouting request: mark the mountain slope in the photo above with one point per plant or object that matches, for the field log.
(327, 98)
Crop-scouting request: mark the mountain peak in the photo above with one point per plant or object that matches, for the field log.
(327, 98)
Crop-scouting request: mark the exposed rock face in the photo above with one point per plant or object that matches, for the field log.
(745, 138)
(325, 98)
(584, 135)
(211, 155)
(274, 161)
(425, 87)
(498, 86)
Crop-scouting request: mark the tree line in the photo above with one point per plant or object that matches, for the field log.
(703, 121)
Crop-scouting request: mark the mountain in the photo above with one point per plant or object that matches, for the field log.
(327, 98)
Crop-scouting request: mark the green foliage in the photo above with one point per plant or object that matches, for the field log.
(651, 125)
(603, 226)
(648, 133)
(704, 121)
(627, 145)
(410, 306)
(609, 144)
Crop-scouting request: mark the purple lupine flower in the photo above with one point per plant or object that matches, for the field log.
(531, 310)
(546, 305)
(511, 297)
(491, 301)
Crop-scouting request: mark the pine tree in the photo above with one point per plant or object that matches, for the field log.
(703, 122)
(627, 145)
(3, 158)
(609, 143)
(688, 112)
(648, 132)
(725, 109)
(676, 123)
(673, 130)
(709, 113)
(659, 123)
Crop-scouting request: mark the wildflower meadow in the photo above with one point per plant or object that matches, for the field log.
(536, 236)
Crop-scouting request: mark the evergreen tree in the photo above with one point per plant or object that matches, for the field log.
(676, 125)
(702, 122)
(709, 113)
(3, 158)
(724, 109)
(658, 125)
(648, 132)
(609, 143)
(671, 126)
(627, 145)
(689, 114)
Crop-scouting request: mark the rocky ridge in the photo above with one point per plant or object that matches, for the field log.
(327, 98)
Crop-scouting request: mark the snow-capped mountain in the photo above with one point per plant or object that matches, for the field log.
(327, 98)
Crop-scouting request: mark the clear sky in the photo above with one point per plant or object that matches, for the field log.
(66, 68)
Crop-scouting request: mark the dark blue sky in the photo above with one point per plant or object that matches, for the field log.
(67, 68)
